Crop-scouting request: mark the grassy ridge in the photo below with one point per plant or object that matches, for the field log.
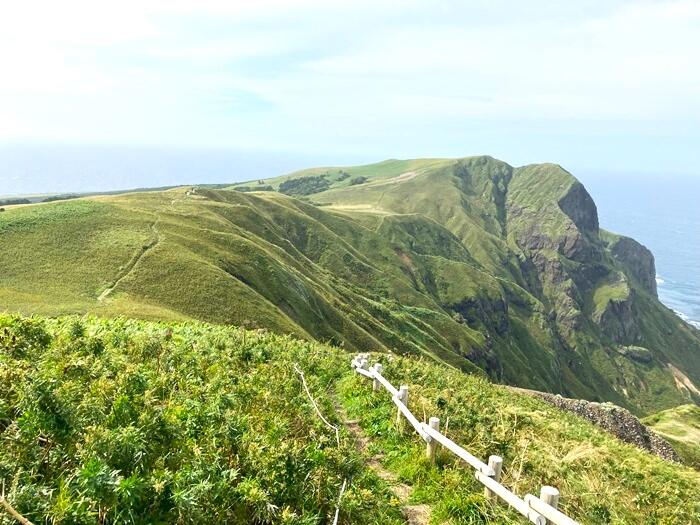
(120, 420)
(470, 261)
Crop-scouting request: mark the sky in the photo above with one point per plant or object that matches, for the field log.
(593, 85)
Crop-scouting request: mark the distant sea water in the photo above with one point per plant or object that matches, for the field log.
(38, 169)
(663, 213)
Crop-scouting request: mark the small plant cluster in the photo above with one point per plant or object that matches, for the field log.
(305, 185)
(114, 421)
(358, 180)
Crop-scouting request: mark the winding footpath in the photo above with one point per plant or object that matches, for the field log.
(415, 514)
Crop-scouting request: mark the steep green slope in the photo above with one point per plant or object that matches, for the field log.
(681, 427)
(468, 261)
(121, 420)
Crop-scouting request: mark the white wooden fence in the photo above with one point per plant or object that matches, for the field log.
(541, 511)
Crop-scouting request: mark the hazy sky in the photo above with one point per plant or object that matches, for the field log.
(591, 85)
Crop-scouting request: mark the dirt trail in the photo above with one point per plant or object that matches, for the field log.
(415, 514)
(394, 180)
(155, 239)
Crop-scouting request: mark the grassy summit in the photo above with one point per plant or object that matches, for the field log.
(470, 262)
(114, 421)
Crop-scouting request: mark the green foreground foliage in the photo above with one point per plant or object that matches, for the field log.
(113, 421)
(129, 422)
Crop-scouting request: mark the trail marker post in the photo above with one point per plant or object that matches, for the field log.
(403, 397)
(376, 385)
(496, 463)
(550, 496)
(431, 446)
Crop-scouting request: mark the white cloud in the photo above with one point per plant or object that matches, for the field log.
(309, 72)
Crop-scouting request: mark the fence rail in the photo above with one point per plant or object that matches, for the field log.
(540, 510)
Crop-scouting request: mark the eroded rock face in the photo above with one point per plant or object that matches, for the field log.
(492, 312)
(618, 321)
(578, 205)
(638, 259)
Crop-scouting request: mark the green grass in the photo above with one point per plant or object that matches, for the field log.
(601, 479)
(122, 420)
(681, 427)
(468, 261)
(614, 290)
(125, 421)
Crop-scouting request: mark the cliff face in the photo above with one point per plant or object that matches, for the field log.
(578, 205)
(638, 260)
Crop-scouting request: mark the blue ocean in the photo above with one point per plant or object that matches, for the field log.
(663, 213)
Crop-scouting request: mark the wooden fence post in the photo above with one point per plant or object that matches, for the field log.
(403, 397)
(431, 447)
(376, 385)
(550, 496)
(496, 463)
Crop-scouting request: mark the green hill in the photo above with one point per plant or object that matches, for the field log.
(114, 421)
(470, 262)
(681, 427)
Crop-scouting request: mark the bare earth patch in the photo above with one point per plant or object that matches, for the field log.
(683, 382)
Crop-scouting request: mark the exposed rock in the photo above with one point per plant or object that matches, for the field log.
(551, 269)
(617, 320)
(579, 206)
(490, 311)
(636, 353)
(613, 419)
(638, 260)
(572, 244)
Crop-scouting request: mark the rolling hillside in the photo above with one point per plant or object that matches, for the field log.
(113, 421)
(491, 269)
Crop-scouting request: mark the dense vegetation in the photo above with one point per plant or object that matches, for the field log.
(470, 261)
(263, 187)
(54, 198)
(127, 421)
(304, 185)
(11, 202)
